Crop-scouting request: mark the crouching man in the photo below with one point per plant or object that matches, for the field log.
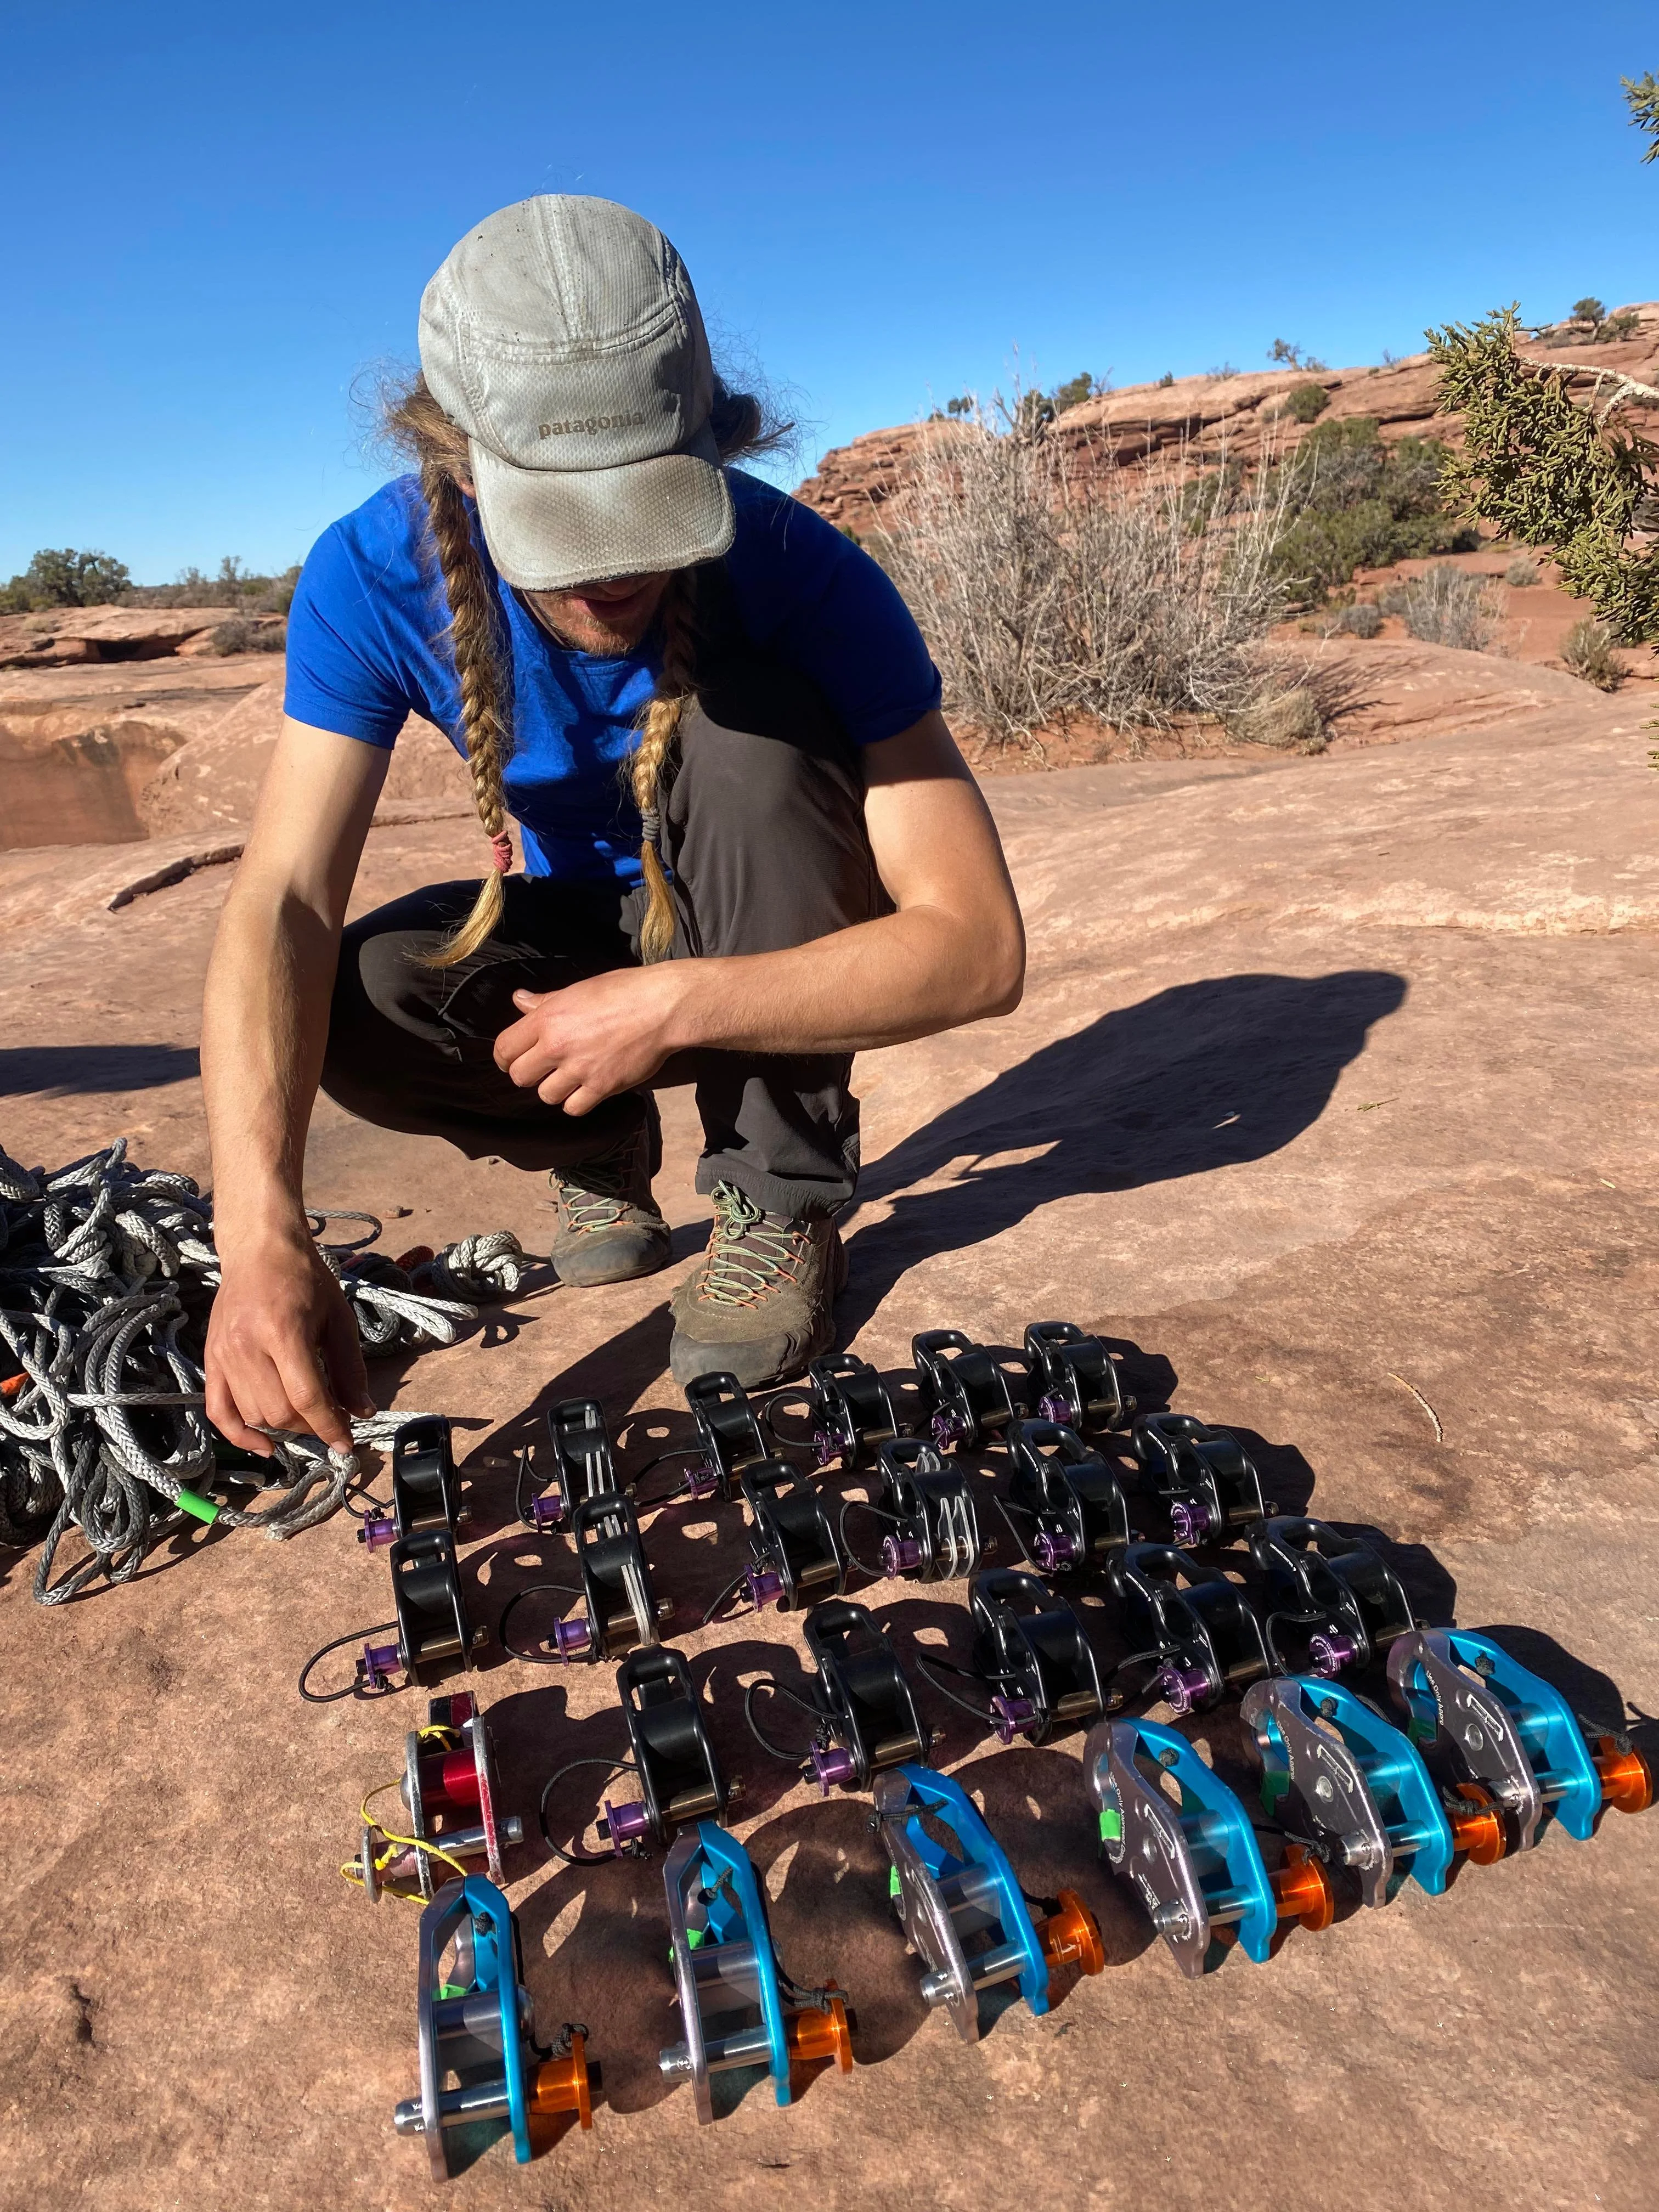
(750, 847)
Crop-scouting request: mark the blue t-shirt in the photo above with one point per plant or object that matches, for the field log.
(368, 647)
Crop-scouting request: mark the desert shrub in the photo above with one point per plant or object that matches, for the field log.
(1357, 502)
(1306, 402)
(1288, 721)
(1075, 390)
(1589, 309)
(1445, 606)
(1574, 481)
(1587, 653)
(1521, 573)
(240, 636)
(1051, 587)
(1362, 619)
(1166, 380)
(64, 578)
(1283, 354)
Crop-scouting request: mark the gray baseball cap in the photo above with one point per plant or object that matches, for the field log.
(563, 337)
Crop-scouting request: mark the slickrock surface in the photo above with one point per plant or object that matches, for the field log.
(1330, 1101)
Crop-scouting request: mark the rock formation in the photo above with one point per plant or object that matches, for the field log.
(1241, 417)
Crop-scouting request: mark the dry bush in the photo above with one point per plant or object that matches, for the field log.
(238, 635)
(1586, 652)
(1051, 587)
(1445, 606)
(1522, 573)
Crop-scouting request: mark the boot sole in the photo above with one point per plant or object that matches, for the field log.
(583, 1280)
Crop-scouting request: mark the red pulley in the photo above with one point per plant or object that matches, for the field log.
(450, 1777)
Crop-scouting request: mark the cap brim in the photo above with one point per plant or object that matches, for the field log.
(548, 529)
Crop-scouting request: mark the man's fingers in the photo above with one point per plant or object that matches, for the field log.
(223, 1412)
(582, 1100)
(517, 1039)
(308, 1394)
(524, 1000)
(342, 1358)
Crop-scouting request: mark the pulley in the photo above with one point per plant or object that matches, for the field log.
(965, 1398)
(1071, 1496)
(961, 1906)
(479, 2059)
(1205, 1479)
(1193, 1859)
(426, 1490)
(739, 2009)
(1074, 1379)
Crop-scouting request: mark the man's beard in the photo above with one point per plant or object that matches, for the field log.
(589, 633)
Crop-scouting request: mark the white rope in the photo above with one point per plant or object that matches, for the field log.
(107, 1276)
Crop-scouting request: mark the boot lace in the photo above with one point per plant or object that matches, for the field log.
(749, 1252)
(594, 1193)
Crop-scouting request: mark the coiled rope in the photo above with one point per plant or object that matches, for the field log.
(106, 1277)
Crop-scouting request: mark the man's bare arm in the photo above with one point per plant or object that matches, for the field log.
(953, 953)
(282, 1348)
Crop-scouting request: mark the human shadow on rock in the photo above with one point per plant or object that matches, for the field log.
(616, 1372)
(595, 1937)
(68, 1071)
(1596, 1698)
(1203, 1075)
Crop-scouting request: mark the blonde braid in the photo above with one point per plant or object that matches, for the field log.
(676, 690)
(477, 667)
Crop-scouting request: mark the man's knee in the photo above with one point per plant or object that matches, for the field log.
(383, 1001)
(766, 836)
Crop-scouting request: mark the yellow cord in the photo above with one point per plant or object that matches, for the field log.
(352, 1871)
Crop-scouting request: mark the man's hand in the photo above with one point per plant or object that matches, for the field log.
(578, 1047)
(282, 1350)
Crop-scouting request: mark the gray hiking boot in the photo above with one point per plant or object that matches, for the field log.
(758, 1303)
(611, 1229)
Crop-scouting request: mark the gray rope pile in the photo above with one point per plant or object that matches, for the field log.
(106, 1277)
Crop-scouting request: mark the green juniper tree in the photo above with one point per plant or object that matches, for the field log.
(1578, 482)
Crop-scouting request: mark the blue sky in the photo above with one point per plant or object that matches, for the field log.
(213, 226)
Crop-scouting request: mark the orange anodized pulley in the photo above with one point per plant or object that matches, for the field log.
(1070, 1936)
(1626, 1777)
(562, 2084)
(1478, 1832)
(1303, 1889)
(813, 2034)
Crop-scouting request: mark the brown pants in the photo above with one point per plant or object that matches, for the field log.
(765, 836)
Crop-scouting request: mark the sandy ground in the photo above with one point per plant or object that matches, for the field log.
(1331, 1103)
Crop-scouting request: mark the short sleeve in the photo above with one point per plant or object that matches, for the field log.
(809, 593)
(341, 675)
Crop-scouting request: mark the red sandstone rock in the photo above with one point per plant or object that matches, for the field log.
(59, 636)
(1330, 1095)
(1206, 415)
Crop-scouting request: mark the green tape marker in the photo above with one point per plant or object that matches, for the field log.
(1111, 1824)
(894, 1885)
(203, 1507)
